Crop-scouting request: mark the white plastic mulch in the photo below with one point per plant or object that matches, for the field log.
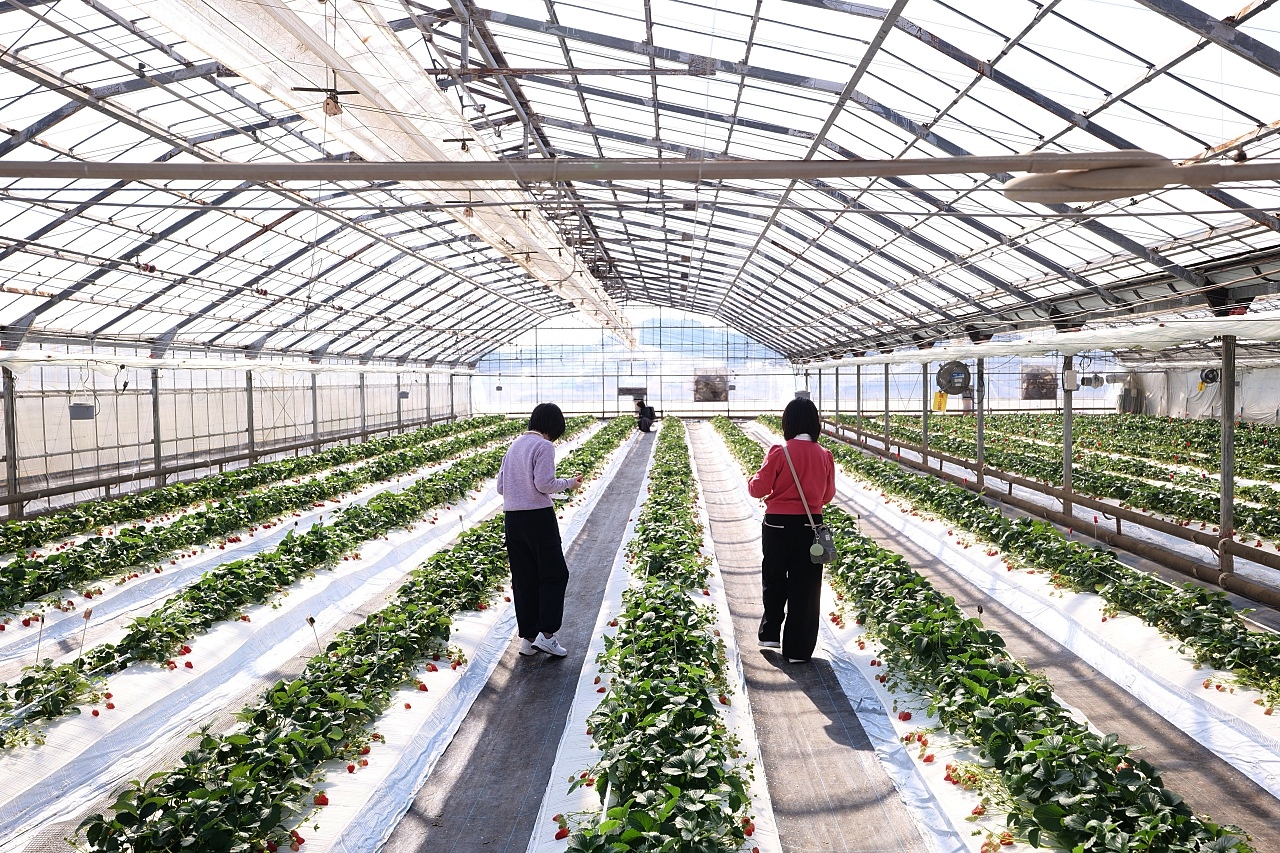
(576, 751)
(365, 806)
(60, 637)
(85, 757)
(1123, 648)
(936, 809)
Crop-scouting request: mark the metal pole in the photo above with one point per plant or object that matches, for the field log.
(399, 407)
(315, 411)
(857, 371)
(11, 442)
(429, 399)
(363, 413)
(838, 419)
(924, 415)
(248, 393)
(886, 407)
(156, 446)
(1067, 451)
(979, 401)
(453, 411)
(1227, 477)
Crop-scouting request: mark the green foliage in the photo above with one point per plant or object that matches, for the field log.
(1202, 620)
(22, 535)
(25, 578)
(1067, 786)
(673, 771)
(224, 592)
(236, 791)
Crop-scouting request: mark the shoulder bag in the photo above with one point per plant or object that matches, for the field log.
(823, 549)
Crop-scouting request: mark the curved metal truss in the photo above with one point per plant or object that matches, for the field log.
(812, 269)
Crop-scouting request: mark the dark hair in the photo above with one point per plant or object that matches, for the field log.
(801, 416)
(547, 418)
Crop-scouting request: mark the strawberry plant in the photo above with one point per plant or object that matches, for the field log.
(227, 590)
(1061, 784)
(237, 791)
(1203, 621)
(26, 578)
(672, 771)
(25, 534)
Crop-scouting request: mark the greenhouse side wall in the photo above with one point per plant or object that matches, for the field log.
(84, 433)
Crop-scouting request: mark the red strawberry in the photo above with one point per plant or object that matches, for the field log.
(320, 800)
(351, 768)
(189, 665)
(26, 622)
(724, 700)
(558, 818)
(272, 847)
(95, 712)
(364, 750)
(562, 833)
(111, 706)
(928, 759)
(979, 810)
(422, 687)
(364, 762)
(407, 705)
(600, 689)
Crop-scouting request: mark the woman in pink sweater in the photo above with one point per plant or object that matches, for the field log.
(792, 583)
(539, 575)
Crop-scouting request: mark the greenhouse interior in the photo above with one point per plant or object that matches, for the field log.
(670, 426)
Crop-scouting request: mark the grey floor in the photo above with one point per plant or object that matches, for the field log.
(828, 789)
(485, 792)
(1208, 784)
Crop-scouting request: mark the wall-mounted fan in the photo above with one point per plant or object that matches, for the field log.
(953, 377)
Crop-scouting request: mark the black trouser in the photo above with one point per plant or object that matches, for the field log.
(539, 574)
(792, 585)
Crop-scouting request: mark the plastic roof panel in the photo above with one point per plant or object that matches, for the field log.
(815, 269)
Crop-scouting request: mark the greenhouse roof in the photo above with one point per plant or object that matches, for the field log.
(418, 272)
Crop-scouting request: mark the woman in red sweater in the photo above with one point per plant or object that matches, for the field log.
(792, 583)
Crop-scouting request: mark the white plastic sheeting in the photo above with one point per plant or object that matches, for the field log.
(86, 757)
(1130, 653)
(1148, 336)
(870, 702)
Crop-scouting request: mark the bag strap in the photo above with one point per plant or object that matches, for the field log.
(799, 489)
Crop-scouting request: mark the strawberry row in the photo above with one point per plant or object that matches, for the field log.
(47, 691)
(1065, 785)
(1068, 787)
(1204, 622)
(238, 791)
(1093, 475)
(25, 579)
(31, 533)
(672, 772)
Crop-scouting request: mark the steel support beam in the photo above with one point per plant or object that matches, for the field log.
(1068, 450)
(1220, 32)
(157, 443)
(980, 408)
(924, 413)
(252, 433)
(1227, 447)
(11, 443)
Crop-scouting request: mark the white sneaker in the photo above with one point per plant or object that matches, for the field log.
(527, 648)
(550, 645)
